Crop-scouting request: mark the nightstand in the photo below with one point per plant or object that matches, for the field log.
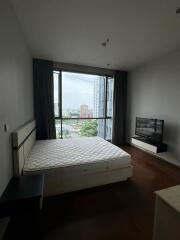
(167, 214)
(22, 195)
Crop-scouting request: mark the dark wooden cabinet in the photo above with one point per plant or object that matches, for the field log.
(23, 194)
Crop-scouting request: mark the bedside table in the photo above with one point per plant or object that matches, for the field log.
(167, 214)
(23, 194)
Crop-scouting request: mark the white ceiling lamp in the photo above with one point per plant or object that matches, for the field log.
(177, 10)
(105, 44)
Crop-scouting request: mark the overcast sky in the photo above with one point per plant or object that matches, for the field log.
(77, 89)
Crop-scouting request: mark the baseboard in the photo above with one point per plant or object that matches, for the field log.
(165, 156)
(3, 226)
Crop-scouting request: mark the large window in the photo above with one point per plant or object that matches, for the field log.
(83, 105)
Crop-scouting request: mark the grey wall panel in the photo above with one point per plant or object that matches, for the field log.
(16, 85)
(154, 91)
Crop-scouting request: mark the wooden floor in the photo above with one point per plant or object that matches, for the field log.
(122, 211)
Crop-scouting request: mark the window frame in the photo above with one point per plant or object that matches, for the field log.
(59, 72)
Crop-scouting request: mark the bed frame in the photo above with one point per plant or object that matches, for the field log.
(23, 140)
(54, 183)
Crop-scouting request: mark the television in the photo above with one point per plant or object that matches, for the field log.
(150, 129)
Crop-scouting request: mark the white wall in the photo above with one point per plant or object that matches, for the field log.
(16, 85)
(154, 91)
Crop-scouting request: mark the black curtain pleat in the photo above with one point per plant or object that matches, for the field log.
(119, 108)
(44, 99)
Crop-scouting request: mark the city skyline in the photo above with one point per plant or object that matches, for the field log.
(83, 96)
(81, 84)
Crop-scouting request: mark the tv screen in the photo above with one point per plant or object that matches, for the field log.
(150, 129)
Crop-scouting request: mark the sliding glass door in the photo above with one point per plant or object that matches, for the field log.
(83, 105)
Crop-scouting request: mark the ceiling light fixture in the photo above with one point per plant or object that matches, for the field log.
(178, 11)
(104, 44)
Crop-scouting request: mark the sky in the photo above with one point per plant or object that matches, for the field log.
(77, 89)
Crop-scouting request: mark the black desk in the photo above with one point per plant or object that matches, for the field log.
(22, 195)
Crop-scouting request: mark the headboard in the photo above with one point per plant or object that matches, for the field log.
(23, 140)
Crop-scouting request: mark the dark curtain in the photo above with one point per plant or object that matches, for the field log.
(43, 99)
(119, 107)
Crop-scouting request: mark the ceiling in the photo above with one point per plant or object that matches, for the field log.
(72, 31)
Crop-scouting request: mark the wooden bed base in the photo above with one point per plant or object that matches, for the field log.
(54, 183)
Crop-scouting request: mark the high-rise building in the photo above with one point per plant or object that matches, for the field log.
(84, 111)
(109, 122)
(99, 89)
(99, 106)
(99, 98)
(56, 109)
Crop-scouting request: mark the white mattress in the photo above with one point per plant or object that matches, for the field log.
(73, 155)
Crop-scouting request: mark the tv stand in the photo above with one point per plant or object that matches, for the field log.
(149, 146)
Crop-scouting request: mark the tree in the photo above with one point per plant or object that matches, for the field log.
(89, 128)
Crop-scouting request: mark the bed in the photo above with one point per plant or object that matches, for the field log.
(69, 164)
